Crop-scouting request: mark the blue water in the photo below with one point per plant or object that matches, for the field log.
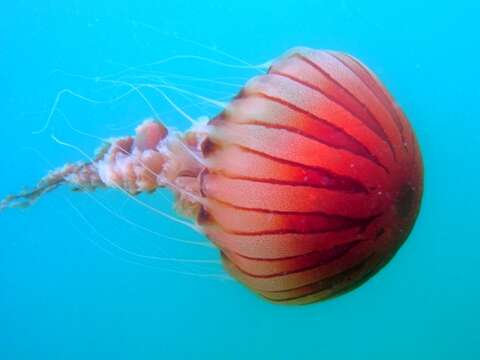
(71, 286)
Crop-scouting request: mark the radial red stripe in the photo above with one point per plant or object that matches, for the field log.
(376, 88)
(347, 101)
(301, 97)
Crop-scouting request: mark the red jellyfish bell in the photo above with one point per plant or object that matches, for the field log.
(315, 178)
(308, 182)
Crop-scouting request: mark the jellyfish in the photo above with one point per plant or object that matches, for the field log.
(308, 181)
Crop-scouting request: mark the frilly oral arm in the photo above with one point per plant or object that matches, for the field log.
(153, 158)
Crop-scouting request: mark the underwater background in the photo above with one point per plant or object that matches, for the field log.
(98, 276)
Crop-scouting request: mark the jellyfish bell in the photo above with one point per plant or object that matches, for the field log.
(308, 182)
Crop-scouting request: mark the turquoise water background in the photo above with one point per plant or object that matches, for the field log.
(78, 277)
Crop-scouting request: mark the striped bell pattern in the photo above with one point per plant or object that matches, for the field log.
(314, 178)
